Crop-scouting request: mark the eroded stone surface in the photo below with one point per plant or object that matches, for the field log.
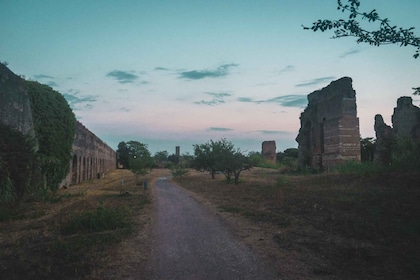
(269, 151)
(329, 131)
(405, 125)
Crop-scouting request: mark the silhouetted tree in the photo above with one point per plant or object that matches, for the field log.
(160, 157)
(123, 154)
(367, 148)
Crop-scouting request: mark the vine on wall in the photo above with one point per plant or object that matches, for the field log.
(54, 124)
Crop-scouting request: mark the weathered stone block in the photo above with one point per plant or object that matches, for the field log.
(269, 151)
(329, 132)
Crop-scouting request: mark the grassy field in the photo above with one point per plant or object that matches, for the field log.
(73, 234)
(327, 226)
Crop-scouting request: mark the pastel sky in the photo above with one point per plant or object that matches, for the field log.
(177, 73)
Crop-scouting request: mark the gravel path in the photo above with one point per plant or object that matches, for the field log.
(190, 242)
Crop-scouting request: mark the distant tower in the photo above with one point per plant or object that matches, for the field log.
(177, 151)
(269, 151)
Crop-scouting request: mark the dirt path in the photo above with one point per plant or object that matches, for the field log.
(190, 242)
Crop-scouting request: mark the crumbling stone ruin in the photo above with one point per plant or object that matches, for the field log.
(406, 119)
(329, 127)
(92, 157)
(384, 139)
(15, 108)
(269, 151)
(405, 125)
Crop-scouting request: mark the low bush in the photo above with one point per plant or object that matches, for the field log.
(101, 219)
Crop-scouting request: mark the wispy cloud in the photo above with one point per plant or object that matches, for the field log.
(245, 99)
(77, 102)
(352, 51)
(123, 77)
(219, 129)
(161, 69)
(316, 81)
(42, 77)
(287, 68)
(292, 100)
(270, 132)
(221, 71)
(217, 98)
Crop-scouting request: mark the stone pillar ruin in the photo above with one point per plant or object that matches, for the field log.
(405, 125)
(329, 127)
(384, 139)
(268, 152)
(406, 119)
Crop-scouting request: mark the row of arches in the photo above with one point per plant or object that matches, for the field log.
(91, 159)
(87, 168)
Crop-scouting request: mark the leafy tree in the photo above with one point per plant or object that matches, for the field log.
(384, 34)
(255, 158)
(173, 158)
(288, 153)
(123, 155)
(160, 157)
(235, 163)
(220, 155)
(204, 158)
(140, 160)
(367, 148)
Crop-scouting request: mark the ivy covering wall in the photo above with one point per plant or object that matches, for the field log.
(54, 125)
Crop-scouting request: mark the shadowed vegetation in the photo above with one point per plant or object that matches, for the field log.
(72, 239)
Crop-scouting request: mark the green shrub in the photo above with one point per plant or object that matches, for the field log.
(101, 219)
(366, 168)
(178, 171)
(406, 155)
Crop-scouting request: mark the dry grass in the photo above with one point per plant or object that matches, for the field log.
(323, 226)
(78, 232)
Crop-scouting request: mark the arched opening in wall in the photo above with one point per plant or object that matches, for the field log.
(84, 169)
(79, 170)
(90, 168)
(306, 137)
(74, 170)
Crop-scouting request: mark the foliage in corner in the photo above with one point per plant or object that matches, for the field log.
(54, 124)
(385, 33)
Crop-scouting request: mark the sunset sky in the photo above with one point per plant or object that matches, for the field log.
(177, 73)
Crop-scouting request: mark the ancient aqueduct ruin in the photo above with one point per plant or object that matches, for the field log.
(91, 157)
